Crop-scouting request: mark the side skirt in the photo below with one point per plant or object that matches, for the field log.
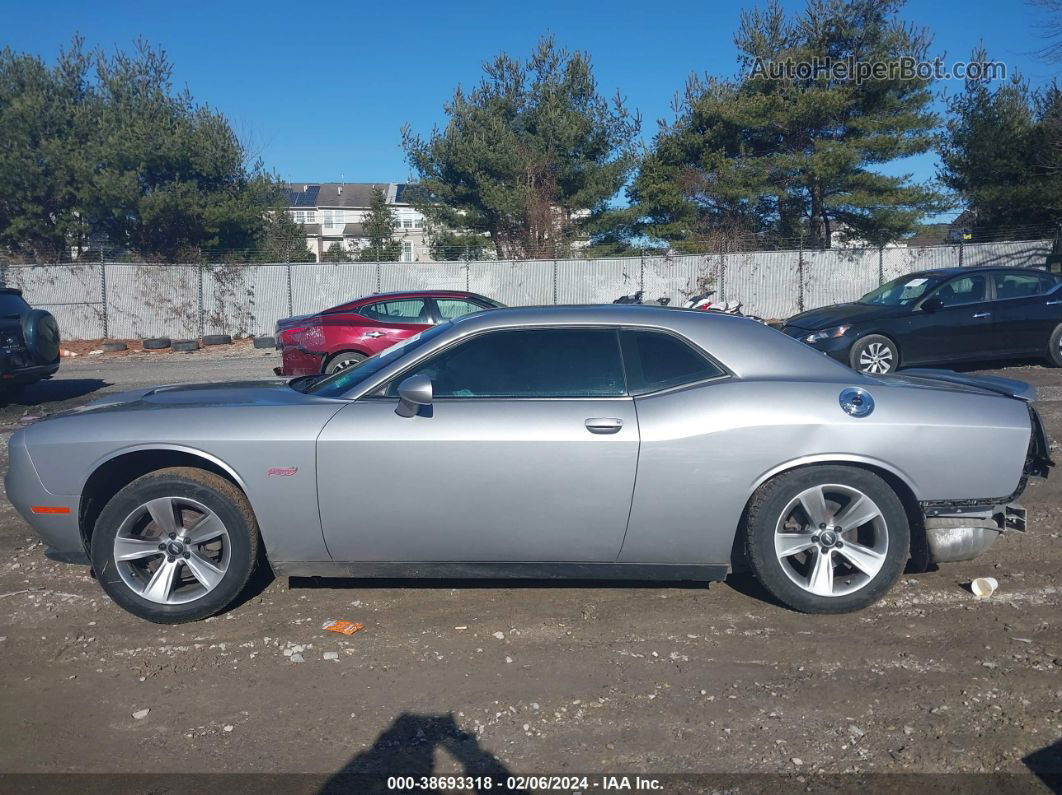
(488, 570)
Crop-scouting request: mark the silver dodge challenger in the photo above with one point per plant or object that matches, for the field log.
(622, 442)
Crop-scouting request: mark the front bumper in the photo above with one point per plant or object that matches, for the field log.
(834, 347)
(53, 516)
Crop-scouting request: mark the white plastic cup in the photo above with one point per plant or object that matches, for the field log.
(984, 587)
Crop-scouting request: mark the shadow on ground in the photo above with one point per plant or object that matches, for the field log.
(1046, 764)
(408, 748)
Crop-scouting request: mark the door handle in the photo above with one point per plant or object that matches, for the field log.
(604, 424)
(1054, 303)
(374, 333)
(982, 314)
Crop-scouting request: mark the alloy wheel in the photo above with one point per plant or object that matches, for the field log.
(172, 550)
(831, 540)
(876, 358)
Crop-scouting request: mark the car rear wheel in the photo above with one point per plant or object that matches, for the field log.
(875, 354)
(1054, 347)
(343, 360)
(175, 545)
(827, 539)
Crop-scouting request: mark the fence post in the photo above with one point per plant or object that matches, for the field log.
(103, 296)
(961, 247)
(641, 270)
(378, 276)
(202, 309)
(554, 278)
(722, 269)
(468, 269)
(291, 310)
(881, 265)
(800, 276)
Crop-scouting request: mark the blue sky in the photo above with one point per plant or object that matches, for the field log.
(321, 90)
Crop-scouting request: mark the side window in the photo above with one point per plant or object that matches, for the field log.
(964, 290)
(1022, 285)
(409, 310)
(658, 361)
(449, 308)
(533, 363)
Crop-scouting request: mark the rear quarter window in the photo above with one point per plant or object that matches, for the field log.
(657, 361)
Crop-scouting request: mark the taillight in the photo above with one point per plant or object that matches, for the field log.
(287, 336)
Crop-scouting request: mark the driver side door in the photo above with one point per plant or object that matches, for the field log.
(962, 327)
(527, 453)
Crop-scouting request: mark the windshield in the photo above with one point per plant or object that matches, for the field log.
(902, 291)
(338, 384)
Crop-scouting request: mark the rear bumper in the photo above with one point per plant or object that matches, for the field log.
(54, 517)
(955, 538)
(24, 375)
(295, 362)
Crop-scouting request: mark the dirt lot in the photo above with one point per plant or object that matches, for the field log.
(528, 678)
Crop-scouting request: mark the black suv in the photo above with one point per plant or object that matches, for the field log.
(29, 342)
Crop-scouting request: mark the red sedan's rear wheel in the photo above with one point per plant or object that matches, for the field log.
(343, 360)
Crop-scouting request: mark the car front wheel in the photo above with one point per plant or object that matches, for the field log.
(827, 539)
(875, 354)
(175, 545)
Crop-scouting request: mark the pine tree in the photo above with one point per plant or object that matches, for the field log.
(1001, 151)
(786, 155)
(526, 153)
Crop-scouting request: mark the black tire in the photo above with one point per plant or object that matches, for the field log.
(265, 342)
(878, 349)
(111, 347)
(852, 589)
(1054, 347)
(220, 496)
(217, 339)
(342, 360)
(41, 335)
(157, 344)
(186, 346)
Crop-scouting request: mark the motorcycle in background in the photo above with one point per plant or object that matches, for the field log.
(636, 298)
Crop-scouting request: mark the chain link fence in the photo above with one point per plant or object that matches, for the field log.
(128, 301)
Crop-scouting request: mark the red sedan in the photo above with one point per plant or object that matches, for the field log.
(347, 334)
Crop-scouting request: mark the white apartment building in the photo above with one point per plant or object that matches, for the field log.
(334, 212)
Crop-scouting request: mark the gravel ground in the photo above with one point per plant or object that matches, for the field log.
(527, 678)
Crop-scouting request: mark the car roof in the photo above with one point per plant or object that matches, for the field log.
(417, 294)
(746, 347)
(10, 291)
(957, 270)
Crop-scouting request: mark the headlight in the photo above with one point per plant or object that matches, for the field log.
(827, 334)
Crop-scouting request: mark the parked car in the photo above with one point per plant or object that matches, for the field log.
(941, 316)
(348, 334)
(29, 342)
(544, 442)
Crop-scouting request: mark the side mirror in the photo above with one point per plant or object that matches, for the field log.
(413, 393)
(932, 305)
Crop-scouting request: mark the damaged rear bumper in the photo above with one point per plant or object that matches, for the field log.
(952, 538)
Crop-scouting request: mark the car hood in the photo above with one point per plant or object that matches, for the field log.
(234, 393)
(840, 314)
